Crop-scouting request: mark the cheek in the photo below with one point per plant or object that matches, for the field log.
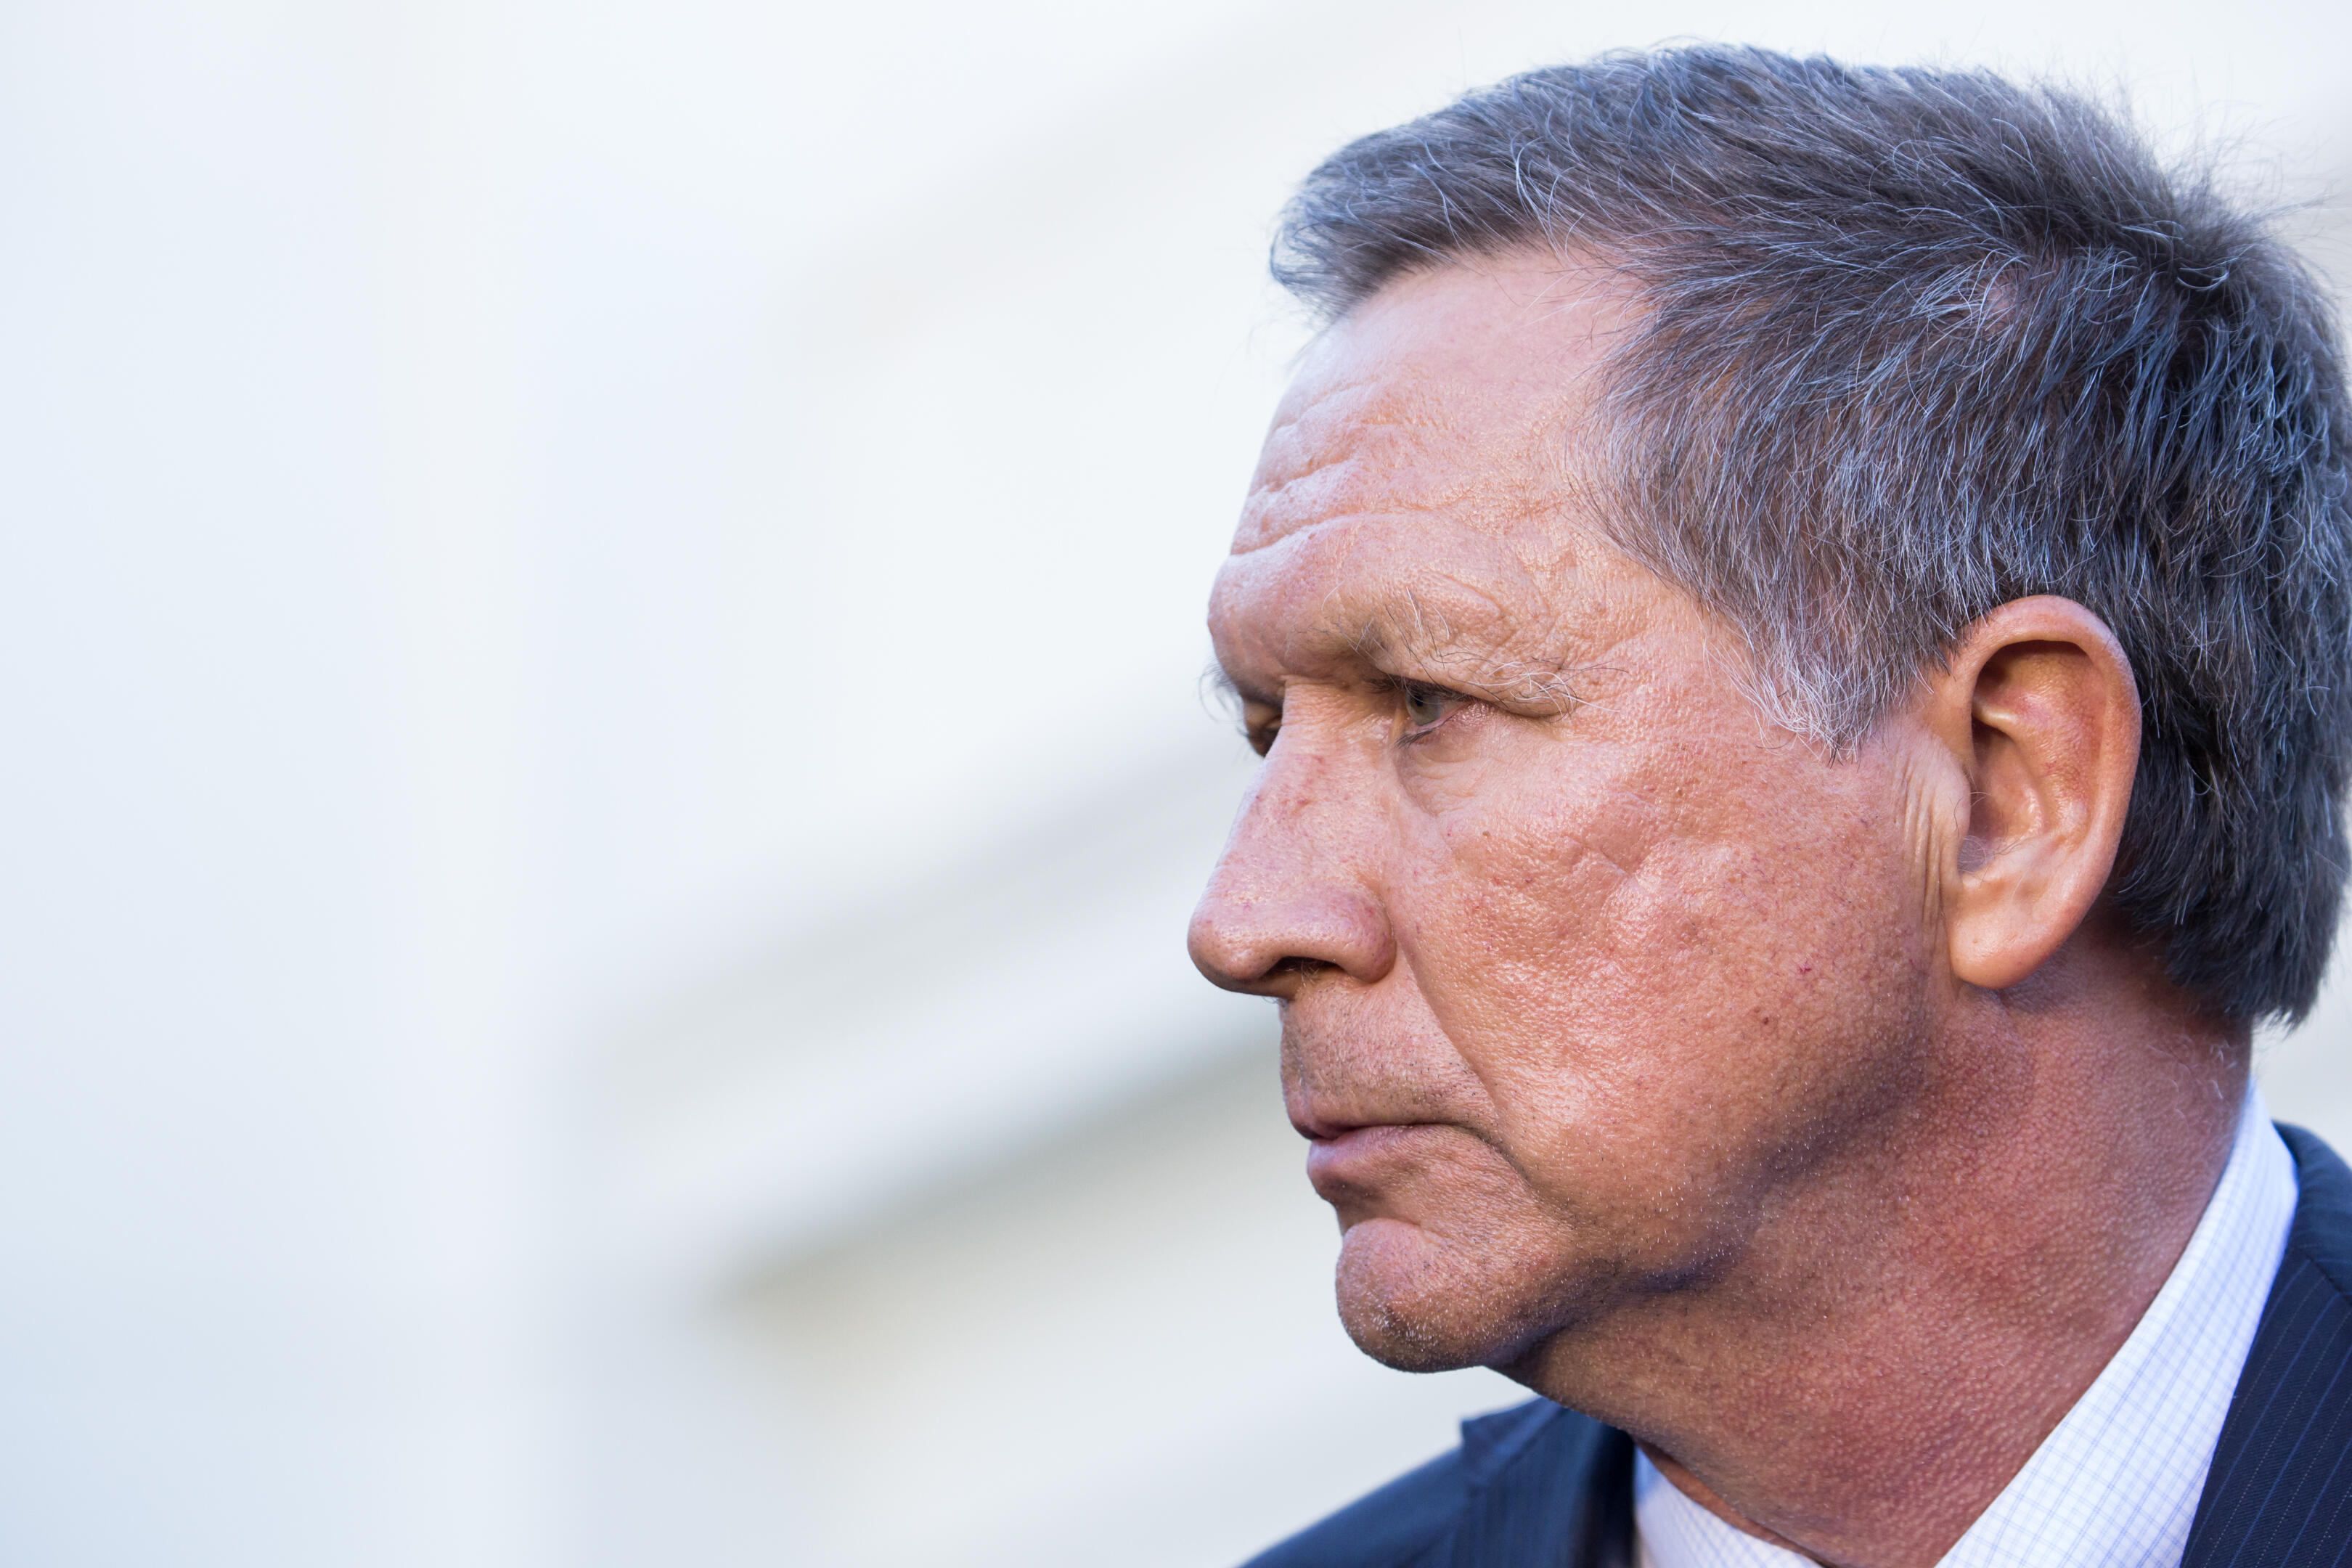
(1530, 897)
(1649, 977)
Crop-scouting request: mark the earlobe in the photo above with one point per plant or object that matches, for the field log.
(2050, 716)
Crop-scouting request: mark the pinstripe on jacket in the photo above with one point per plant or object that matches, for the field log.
(1540, 1486)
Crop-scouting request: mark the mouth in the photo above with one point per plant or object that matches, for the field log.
(1352, 1159)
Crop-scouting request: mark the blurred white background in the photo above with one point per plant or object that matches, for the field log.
(600, 614)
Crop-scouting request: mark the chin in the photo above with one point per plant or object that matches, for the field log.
(1417, 1303)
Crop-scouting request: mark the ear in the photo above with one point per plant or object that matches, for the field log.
(2038, 707)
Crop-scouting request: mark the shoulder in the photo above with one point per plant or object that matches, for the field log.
(1536, 1456)
(2323, 1215)
(2275, 1492)
(2308, 1320)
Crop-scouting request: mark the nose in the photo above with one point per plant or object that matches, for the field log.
(1292, 895)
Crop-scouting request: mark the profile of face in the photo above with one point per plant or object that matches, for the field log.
(1583, 964)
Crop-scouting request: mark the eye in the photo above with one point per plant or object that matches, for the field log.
(1426, 705)
(1261, 722)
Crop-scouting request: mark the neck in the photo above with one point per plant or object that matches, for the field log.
(1908, 1321)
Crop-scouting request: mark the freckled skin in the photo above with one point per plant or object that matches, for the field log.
(1629, 1028)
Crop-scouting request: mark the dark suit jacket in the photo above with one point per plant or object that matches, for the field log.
(1540, 1486)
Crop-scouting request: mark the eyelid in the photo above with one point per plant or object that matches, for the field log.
(1426, 691)
(1260, 722)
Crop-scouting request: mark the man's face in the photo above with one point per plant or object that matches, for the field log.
(1584, 966)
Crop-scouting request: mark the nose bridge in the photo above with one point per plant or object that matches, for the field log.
(1298, 877)
(1295, 821)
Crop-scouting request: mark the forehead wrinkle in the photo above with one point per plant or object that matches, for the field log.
(1364, 448)
(1432, 397)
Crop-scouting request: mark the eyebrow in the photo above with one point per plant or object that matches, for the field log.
(1404, 637)
(1400, 632)
(1388, 637)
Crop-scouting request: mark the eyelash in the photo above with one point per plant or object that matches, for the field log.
(1260, 735)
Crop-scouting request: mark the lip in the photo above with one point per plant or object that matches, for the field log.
(1350, 1155)
(1327, 1122)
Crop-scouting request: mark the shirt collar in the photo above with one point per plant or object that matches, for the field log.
(2116, 1484)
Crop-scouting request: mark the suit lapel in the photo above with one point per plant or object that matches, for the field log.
(1548, 1488)
(2280, 1490)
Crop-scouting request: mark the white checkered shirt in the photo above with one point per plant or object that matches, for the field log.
(2115, 1485)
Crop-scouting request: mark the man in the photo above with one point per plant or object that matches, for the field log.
(1797, 619)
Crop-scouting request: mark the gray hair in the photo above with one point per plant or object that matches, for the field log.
(1913, 344)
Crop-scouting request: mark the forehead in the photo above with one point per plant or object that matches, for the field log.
(1465, 385)
(1425, 468)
